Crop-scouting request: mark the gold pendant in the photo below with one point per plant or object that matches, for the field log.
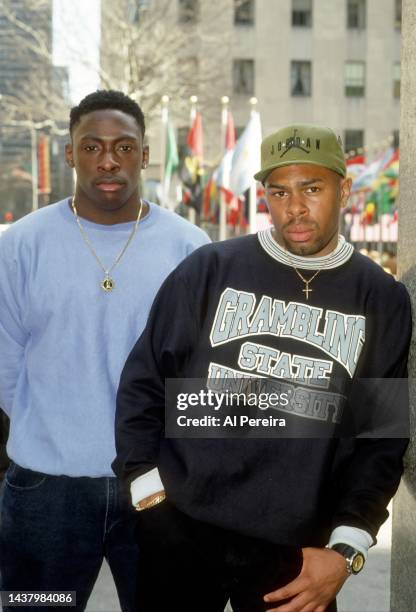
(307, 291)
(107, 284)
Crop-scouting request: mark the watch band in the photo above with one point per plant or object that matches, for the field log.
(354, 558)
(149, 502)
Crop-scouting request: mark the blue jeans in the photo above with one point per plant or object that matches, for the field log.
(55, 532)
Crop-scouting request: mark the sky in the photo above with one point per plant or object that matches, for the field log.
(76, 39)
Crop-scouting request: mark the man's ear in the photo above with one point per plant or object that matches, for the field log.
(345, 188)
(145, 156)
(69, 155)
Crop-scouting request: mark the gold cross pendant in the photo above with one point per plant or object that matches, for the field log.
(307, 291)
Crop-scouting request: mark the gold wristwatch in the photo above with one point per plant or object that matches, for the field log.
(149, 502)
(354, 558)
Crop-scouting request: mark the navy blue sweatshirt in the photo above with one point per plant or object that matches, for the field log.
(216, 316)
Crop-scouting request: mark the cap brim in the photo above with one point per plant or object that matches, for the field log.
(263, 174)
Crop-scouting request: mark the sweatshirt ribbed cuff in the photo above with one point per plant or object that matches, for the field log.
(145, 485)
(357, 538)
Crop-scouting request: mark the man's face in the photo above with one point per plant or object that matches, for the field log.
(304, 202)
(107, 152)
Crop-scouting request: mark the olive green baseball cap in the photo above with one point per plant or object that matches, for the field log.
(302, 144)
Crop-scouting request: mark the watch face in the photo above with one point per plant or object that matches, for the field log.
(357, 563)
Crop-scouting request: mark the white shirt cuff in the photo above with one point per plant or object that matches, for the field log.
(145, 485)
(357, 538)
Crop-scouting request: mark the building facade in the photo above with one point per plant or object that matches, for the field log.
(330, 62)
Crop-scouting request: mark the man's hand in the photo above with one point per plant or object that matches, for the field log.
(323, 573)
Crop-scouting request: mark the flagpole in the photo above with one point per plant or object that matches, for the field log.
(252, 217)
(163, 136)
(222, 229)
(193, 101)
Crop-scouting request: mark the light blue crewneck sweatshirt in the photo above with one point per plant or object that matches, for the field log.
(64, 341)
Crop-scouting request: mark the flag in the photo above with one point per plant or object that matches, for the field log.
(171, 158)
(194, 139)
(357, 159)
(44, 164)
(246, 156)
(371, 172)
(223, 175)
(192, 169)
(223, 172)
(392, 170)
(355, 166)
(394, 158)
(229, 132)
(385, 200)
(210, 200)
(355, 170)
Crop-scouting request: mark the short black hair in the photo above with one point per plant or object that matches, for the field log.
(104, 99)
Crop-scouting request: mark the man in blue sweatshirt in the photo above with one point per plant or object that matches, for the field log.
(77, 279)
(274, 513)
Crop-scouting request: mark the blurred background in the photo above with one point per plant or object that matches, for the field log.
(212, 79)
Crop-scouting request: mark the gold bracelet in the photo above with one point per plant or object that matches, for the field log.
(154, 501)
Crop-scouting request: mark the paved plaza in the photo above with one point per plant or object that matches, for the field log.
(368, 592)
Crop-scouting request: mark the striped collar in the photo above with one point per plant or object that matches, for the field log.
(340, 255)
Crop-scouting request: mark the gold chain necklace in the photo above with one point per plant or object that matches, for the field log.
(307, 281)
(107, 284)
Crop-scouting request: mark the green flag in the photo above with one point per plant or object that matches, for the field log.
(171, 156)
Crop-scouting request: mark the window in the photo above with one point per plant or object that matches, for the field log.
(301, 78)
(244, 12)
(396, 80)
(396, 139)
(188, 11)
(398, 14)
(302, 13)
(356, 14)
(355, 79)
(354, 139)
(243, 76)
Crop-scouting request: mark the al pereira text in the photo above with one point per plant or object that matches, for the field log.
(230, 421)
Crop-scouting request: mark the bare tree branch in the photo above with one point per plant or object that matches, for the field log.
(156, 51)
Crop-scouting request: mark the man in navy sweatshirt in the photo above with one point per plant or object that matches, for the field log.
(77, 280)
(275, 505)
